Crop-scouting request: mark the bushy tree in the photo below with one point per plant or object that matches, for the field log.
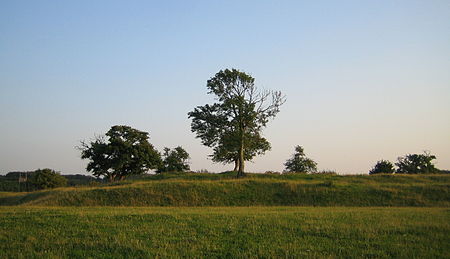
(47, 178)
(124, 151)
(416, 164)
(383, 167)
(299, 163)
(232, 126)
(175, 160)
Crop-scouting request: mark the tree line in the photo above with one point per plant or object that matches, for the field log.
(408, 164)
(232, 126)
(42, 179)
(125, 151)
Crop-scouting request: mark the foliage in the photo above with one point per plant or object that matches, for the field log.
(299, 163)
(383, 167)
(416, 164)
(232, 126)
(47, 178)
(227, 149)
(126, 151)
(16, 175)
(10, 182)
(175, 160)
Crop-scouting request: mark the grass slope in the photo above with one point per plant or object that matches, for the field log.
(231, 232)
(254, 190)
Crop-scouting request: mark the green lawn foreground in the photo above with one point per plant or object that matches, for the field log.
(226, 232)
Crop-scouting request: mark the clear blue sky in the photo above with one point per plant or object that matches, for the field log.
(364, 80)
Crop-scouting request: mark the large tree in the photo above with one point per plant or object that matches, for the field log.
(232, 126)
(124, 151)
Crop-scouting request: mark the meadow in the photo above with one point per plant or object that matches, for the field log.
(225, 232)
(218, 216)
(190, 189)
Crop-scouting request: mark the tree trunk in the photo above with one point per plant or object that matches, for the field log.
(241, 160)
(241, 151)
(236, 165)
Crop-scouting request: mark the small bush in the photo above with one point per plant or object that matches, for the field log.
(383, 167)
(203, 171)
(47, 178)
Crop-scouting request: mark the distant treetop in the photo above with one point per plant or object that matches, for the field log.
(299, 163)
(383, 167)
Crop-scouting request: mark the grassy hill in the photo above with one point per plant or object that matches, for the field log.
(194, 189)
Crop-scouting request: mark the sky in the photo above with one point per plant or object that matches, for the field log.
(364, 80)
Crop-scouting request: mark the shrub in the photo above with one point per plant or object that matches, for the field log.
(203, 171)
(47, 178)
(175, 160)
(383, 167)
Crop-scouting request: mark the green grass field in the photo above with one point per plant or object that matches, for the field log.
(226, 232)
(218, 216)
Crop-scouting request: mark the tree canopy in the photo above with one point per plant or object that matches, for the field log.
(47, 178)
(416, 164)
(124, 151)
(232, 126)
(299, 163)
(383, 167)
(175, 160)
